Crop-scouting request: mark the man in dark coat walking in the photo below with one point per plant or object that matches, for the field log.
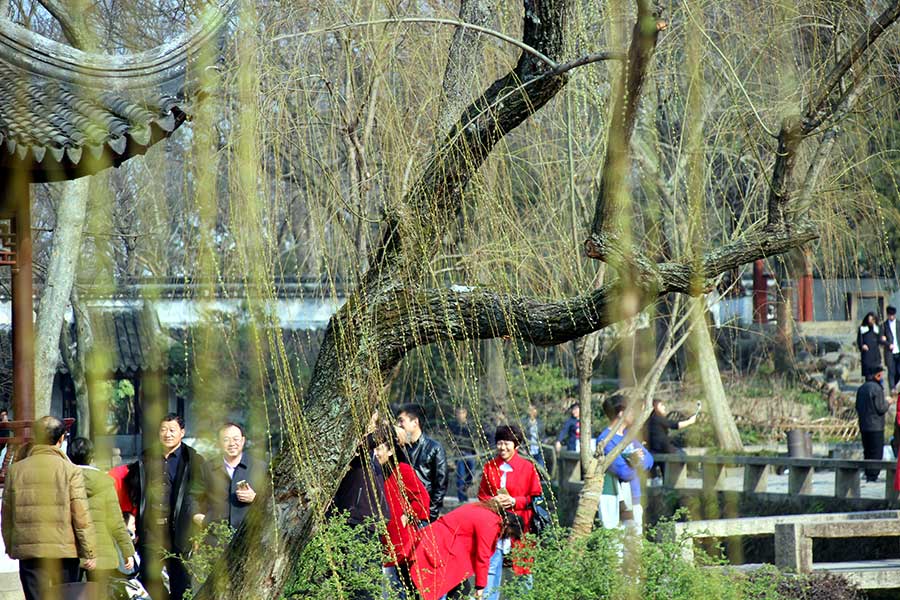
(231, 485)
(168, 476)
(871, 407)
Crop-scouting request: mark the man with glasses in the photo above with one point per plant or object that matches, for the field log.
(231, 484)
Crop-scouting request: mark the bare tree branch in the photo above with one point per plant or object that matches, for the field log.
(819, 110)
(795, 128)
(464, 60)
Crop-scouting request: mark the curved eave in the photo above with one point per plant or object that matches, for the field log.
(59, 164)
(65, 113)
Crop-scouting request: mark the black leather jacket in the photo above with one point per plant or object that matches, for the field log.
(429, 461)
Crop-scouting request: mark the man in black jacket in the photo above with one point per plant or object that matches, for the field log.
(230, 485)
(871, 407)
(892, 349)
(169, 475)
(426, 456)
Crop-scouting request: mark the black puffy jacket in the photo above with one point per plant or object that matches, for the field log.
(871, 406)
(429, 461)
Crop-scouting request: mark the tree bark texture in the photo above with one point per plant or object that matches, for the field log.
(70, 218)
(464, 62)
(74, 354)
(716, 401)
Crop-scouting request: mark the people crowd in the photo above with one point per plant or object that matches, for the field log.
(67, 520)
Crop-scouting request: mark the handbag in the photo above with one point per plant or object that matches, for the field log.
(541, 519)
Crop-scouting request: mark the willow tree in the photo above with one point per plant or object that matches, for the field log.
(397, 306)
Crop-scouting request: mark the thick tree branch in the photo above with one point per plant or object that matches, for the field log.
(73, 21)
(461, 314)
(418, 223)
(611, 194)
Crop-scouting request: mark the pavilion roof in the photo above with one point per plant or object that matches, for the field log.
(65, 113)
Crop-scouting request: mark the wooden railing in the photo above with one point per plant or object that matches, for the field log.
(756, 471)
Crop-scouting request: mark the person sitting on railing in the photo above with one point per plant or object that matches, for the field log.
(633, 460)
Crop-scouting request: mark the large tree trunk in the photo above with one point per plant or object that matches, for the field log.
(392, 312)
(72, 199)
(716, 401)
(74, 354)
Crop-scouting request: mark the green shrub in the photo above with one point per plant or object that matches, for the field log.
(340, 561)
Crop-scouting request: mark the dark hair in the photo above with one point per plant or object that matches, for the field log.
(132, 483)
(865, 321)
(173, 417)
(4, 410)
(891, 310)
(81, 451)
(228, 424)
(414, 411)
(509, 433)
(513, 525)
(613, 405)
(49, 430)
(573, 406)
(386, 434)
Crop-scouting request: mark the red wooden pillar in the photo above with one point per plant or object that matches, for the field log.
(760, 293)
(805, 290)
(22, 304)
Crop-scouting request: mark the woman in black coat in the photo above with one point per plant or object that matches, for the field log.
(868, 341)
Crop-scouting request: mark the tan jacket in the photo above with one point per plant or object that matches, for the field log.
(112, 536)
(45, 510)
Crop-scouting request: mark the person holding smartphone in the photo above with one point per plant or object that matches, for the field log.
(658, 426)
(231, 485)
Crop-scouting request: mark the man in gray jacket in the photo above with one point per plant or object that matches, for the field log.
(871, 407)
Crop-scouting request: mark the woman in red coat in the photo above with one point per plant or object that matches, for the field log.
(512, 481)
(408, 503)
(459, 545)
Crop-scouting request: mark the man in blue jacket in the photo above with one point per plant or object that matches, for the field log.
(570, 435)
(628, 466)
